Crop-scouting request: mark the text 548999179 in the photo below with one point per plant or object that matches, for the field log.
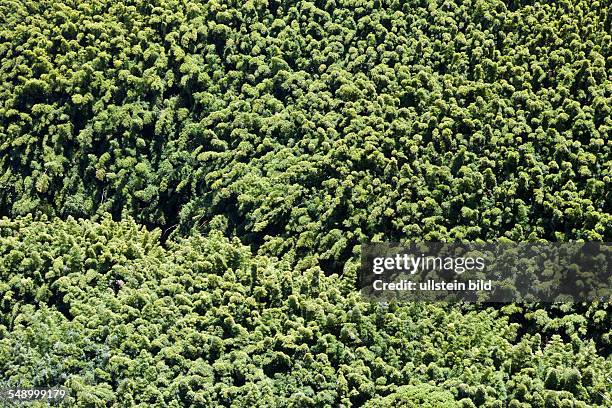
(17, 394)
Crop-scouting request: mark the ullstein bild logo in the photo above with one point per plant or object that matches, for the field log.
(502, 272)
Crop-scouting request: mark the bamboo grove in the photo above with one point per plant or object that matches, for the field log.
(185, 185)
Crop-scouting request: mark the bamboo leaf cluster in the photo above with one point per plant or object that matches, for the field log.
(312, 126)
(104, 310)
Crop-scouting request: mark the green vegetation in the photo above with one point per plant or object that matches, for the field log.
(311, 127)
(206, 323)
(260, 142)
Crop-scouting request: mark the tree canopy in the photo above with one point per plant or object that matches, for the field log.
(105, 310)
(184, 186)
(309, 127)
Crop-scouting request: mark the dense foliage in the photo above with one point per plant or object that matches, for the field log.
(312, 126)
(206, 323)
(245, 148)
